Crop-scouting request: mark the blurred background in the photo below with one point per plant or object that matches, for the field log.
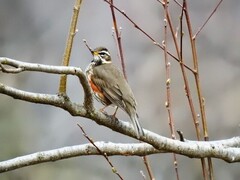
(36, 31)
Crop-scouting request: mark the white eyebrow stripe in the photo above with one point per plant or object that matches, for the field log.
(106, 52)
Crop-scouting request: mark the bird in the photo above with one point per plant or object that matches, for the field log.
(110, 87)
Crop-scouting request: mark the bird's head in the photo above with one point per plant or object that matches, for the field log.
(101, 56)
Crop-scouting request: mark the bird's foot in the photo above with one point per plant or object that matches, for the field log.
(114, 117)
(114, 114)
(103, 111)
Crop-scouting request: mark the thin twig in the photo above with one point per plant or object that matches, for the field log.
(186, 84)
(149, 169)
(118, 37)
(114, 170)
(120, 49)
(178, 3)
(89, 48)
(163, 2)
(67, 53)
(181, 137)
(195, 120)
(116, 43)
(198, 85)
(168, 88)
(146, 34)
(201, 27)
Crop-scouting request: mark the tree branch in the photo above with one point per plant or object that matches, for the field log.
(69, 43)
(219, 149)
(109, 148)
(104, 154)
(227, 150)
(18, 67)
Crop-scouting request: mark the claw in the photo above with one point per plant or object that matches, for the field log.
(103, 109)
(114, 114)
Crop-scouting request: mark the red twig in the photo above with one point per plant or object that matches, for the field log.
(146, 34)
(186, 84)
(118, 37)
(119, 44)
(168, 87)
(149, 169)
(214, 10)
(114, 170)
(196, 123)
(197, 82)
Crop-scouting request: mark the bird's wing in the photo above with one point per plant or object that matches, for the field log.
(107, 80)
(115, 97)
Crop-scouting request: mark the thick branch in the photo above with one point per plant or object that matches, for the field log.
(110, 149)
(18, 66)
(220, 149)
(227, 150)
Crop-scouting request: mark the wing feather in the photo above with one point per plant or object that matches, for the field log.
(118, 92)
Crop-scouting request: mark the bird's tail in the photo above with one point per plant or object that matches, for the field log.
(137, 125)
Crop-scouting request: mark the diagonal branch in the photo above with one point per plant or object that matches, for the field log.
(146, 34)
(209, 17)
(227, 150)
(104, 154)
(69, 43)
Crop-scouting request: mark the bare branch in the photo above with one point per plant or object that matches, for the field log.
(146, 34)
(227, 150)
(118, 38)
(24, 66)
(104, 154)
(198, 87)
(168, 102)
(11, 70)
(69, 43)
(223, 149)
(200, 29)
(79, 150)
(148, 167)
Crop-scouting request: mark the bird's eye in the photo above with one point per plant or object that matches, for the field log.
(102, 54)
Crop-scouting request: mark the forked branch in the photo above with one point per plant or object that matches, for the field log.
(227, 150)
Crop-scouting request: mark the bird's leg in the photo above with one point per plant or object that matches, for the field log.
(102, 109)
(114, 114)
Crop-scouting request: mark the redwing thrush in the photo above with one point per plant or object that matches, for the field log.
(110, 87)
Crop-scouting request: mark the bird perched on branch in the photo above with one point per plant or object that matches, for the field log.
(110, 87)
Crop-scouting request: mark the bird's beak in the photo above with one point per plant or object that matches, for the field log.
(95, 56)
(94, 53)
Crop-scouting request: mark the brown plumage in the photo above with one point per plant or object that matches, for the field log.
(110, 87)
